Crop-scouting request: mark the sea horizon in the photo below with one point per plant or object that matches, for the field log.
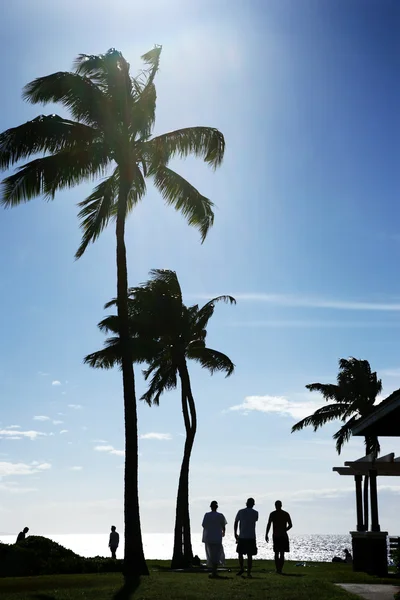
(158, 546)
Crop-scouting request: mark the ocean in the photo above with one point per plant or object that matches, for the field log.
(319, 548)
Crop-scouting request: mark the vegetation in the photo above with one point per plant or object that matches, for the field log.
(166, 333)
(301, 583)
(41, 556)
(109, 136)
(354, 396)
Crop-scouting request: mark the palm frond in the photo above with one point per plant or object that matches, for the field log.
(329, 391)
(178, 192)
(80, 95)
(204, 142)
(97, 210)
(204, 314)
(106, 358)
(344, 434)
(163, 379)
(145, 96)
(321, 416)
(45, 176)
(47, 134)
(211, 359)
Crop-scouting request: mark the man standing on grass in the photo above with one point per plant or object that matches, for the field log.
(281, 522)
(246, 540)
(213, 532)
(114, 541)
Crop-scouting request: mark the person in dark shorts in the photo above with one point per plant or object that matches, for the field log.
(22, 535)
(246, 540)
(281, 522)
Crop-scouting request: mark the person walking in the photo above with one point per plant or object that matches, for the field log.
(246, 540)
(281, 522)
(114, 541)
(213, 531)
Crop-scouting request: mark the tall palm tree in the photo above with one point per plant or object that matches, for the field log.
(353, 397)
(166, 334)
(109, 136)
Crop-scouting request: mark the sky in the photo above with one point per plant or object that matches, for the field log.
(306, 237)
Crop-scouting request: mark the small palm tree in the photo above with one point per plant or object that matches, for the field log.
(166, 334)
(109, 136)
(353, 397)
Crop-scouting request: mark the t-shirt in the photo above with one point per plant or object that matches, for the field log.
(279, 519)
(213, 525)
(247, 518)
(114, 539)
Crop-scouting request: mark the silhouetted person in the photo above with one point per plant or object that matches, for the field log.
(22, 535)
(213, 532)
(347, 556)
(114, 541)
(246, 540)
(281, 522)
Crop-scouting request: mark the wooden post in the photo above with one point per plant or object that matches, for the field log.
(359, 504)
(374, 501)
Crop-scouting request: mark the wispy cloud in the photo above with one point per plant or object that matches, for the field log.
(155, 436)
(110, 450)
(14, 427)
(41, 418)
(297, 301)
(58, 422)
(278, 405)
(42, 374)
(8, 468)
(100, 441)
(13, 487)
(12, 434)
(75, 468)
(395, 373)
(56, 382)
(314, 324)
(75, 406)
(64, 431)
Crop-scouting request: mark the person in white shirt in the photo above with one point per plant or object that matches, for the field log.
(213, 532)
(114, 541)
(246, 540)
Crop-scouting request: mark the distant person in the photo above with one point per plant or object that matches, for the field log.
(281, 522)
(347, 556)
(213, 531)
(114, 541)
(246, 540)
(22, 535)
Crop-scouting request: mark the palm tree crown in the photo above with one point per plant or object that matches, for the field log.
(109, 136)
(353, 397)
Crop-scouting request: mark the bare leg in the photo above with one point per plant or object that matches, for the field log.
(249, 564)
(282, 560)
(277, 562)
(241, 561)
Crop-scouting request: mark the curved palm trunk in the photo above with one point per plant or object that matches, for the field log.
(134, 561)
(183, 554)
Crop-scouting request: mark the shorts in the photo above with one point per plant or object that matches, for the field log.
(246, 546)
(281, 543)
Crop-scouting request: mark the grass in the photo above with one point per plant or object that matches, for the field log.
(316, 582)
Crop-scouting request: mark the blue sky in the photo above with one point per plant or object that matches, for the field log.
(306, 237)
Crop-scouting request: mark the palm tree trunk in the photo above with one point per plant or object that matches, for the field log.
(183, 553)
(134, 561)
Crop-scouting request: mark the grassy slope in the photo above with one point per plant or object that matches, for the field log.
(300, 583)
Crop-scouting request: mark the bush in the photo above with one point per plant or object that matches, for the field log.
(41, 556)
(395, 556)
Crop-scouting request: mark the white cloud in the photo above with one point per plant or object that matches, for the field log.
(14, 427)
(75, 406)
(12, 434)
(278, 405)
(64, 431)
(57, 422)
(75, 468)
(42, 373)
(56, 382)
(395, 373)
(41, 418)
(155, 436)
(312, 302)
(7, 468)
(99, 441)
(110, 450)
